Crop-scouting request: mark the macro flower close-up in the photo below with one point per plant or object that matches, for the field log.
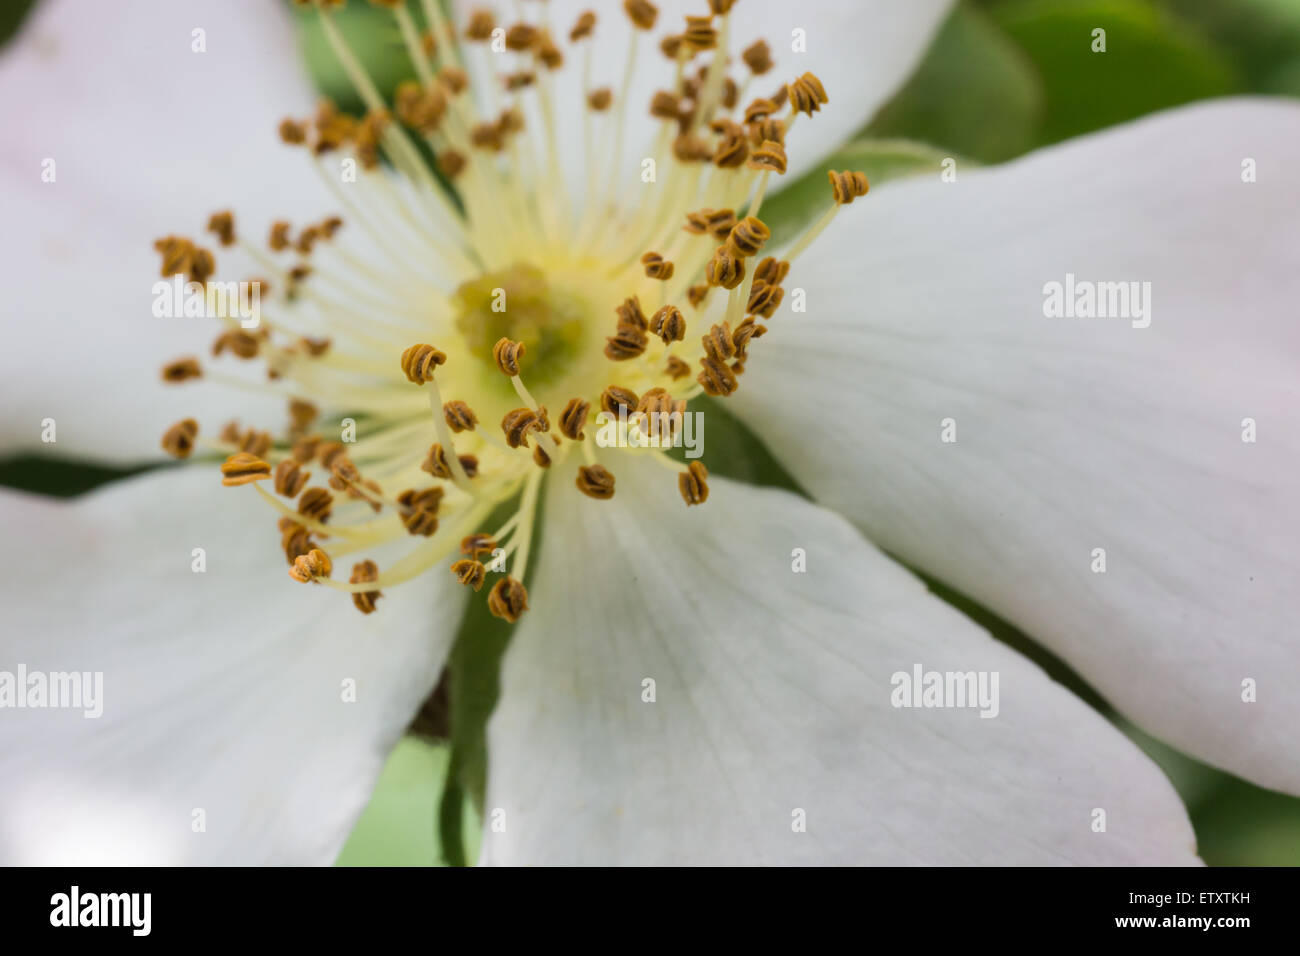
(727, 432)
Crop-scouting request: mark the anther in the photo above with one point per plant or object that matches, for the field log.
(616, 397)
(764, 299)
(363, 573)
(470, 573)
(292, 133)
(240, 343)
(508, 600)
(460, 417)
(178, 441)
(451, 163)
(540, 458)
(677, 368)
(600, 99)
(507, 354)
(699, 34)
(573, 418)
(664, 105)
(304, 449)
(519, 81)
(770, 156)
(806, 94)
(480, 27)
(629, 314)
(290, 479)
(724, 269)
(477, 544)
(419, 361)
(693, 484)
(316, 505)
(330, 452)
(772, 271)
(747, 330)
(692, 149)
(521, 37)
(315, 347)
(717, 343)
(696, 294)
(584, 26)
(716, 222)
(847, 186)
(294, 539)
(453, 79)
(721, 7)
(671, 46)
(310, 566)
(343, 473)
(717, 379)
(222, 224)
(761, 108)
(669, 324)
(626, 343)
(657, 267)
(642, 13)
(732, 151)
(517, 424)
(419, 511)
(279, 238)
(747, 237)
(595, 481)
(435, 463)
(758, 57)
(241, 468)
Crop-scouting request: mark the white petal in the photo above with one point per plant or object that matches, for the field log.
(772, 695)
(862, 50)
(222, 691)
(926, 303)
(147, 137)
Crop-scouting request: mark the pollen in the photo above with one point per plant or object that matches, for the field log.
(464, 228)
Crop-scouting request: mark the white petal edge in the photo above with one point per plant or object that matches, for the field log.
(148, 137)
(862, 50)
(925, 303)
(772, 695)
(222, 691)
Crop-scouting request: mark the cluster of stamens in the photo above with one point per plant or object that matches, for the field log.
(436, 436)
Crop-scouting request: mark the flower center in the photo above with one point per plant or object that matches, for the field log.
(469, 348)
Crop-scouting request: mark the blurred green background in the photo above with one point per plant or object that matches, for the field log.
(1001, 78)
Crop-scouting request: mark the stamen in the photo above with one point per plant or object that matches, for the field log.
(595, 481)
(365, 572)
(312, 566)
(470, 573)
(178, 441)
(693, 484)
(241, 468)
(508, 600)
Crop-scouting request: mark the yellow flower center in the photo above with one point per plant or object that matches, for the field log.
(467, 340)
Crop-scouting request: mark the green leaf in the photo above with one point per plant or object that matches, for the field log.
(976, 93)
(59, 478)
(1260, 36)
(371, 34)
(396, 828)
(475, 685)
(1152, 60)
(800, 202)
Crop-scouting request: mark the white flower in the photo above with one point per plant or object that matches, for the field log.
(772, 701)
